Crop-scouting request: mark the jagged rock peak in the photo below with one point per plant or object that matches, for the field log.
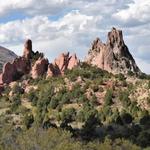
(97, 44)
(63, 62)
(113, 56)
(115, 37)
(28, 49)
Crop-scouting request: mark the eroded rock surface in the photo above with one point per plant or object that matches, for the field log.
(39, 68)
(28, 53)
(62, 63)
(113, 56)
(13, 71)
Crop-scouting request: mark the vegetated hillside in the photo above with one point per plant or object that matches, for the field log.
(6, 56)
(87, 108)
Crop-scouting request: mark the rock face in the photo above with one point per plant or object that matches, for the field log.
(53, 70)
(39, 68)
(6, 56)
(62, 63)
(73, 61)
(19, 67)
(113, 56)
(28, 49)
(13, 71)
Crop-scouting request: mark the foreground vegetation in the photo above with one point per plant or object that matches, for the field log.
(87, 108)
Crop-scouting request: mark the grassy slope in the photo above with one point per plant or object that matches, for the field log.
(83, 92)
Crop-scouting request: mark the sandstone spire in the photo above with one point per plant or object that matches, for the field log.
(28, 49)
(113, 56)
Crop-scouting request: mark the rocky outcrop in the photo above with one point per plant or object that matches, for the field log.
(13, 71)
(36, 65)
(62, 63)
(39, 68)
(113, 56)
(73, 61)
(53, 70)
(6, 56)
(28, 53)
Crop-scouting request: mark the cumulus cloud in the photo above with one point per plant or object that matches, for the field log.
(137, 12)
(33, 7)
(41, 28)
(70, 33)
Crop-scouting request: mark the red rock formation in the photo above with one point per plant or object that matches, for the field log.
(13, 71)
(62, 63)
(23, 65)
(113, 56)
(28, 49)
(20, 66)
(53, 70)
(39, 68)
(73, 61)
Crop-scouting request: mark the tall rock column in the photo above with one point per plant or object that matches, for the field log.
(28, 49)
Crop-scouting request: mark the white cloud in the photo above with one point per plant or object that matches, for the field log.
(137, 12)
(51, 37)
(33, 7)
(41, 28)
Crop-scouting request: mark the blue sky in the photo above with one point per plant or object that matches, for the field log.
(57, 26)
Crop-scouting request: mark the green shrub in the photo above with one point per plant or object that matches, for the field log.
(16, 102)
(108, 97)
(17, 89)
(28, 120)
(54, 103)
(121, 77)
(32, 97)
(68, 115)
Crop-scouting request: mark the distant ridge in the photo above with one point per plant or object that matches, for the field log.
(6, 56)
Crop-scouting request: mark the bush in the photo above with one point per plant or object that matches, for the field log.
(32, 96)
(130, 73)
(17, 89)
(121, 77)
(108, 97)
(124, 98)
(68, 115)
(16, 102)
(28, 120)
(145, 120)
(95, 88)
(126, 118)
(54, 103)
(148, 84)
